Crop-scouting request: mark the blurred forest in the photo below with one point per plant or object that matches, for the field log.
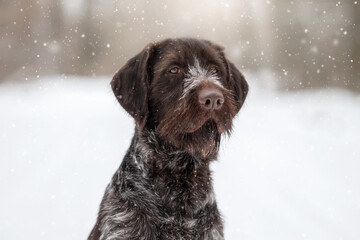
(302, 44)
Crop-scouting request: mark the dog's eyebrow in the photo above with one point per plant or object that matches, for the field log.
(173, 62)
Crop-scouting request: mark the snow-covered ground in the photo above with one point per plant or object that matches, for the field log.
(290, 171)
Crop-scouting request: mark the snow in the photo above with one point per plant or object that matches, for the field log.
(289, 171)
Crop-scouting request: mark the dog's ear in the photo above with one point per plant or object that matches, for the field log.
(238, 84)
(131, 84)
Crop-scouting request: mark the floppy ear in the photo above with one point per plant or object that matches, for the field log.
(131, 83)
(238, 84)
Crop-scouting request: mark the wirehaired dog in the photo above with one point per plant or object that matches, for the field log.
(183, 95)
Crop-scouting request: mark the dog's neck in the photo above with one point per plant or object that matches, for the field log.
(182, 181)
(157, 147)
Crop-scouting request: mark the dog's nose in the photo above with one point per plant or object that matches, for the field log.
(211, 98)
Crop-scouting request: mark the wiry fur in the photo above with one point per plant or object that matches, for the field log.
(163, 187)
(195, 76)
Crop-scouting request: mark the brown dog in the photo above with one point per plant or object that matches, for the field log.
(183, 95)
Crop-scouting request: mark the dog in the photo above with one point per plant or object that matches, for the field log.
(183, 95)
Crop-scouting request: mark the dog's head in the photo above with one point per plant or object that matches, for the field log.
(184, 89)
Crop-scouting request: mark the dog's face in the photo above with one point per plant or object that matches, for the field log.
(184, 89)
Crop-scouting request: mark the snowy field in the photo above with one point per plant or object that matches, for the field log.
(290, 171)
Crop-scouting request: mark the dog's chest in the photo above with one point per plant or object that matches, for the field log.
(171, 190)
(182, 183)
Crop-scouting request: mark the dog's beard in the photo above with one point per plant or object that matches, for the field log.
(194, 129)
(208, 136)
(204, 141)
(201, 138)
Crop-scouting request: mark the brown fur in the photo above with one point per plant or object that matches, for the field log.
(163, 188)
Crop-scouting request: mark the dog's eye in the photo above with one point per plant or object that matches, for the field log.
(174, 70)
(213, 70)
